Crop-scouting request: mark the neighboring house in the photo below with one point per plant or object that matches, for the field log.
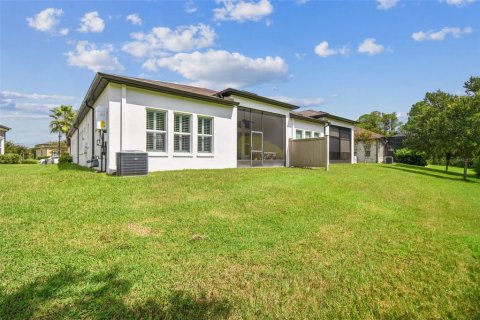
(3, 134)
(369, 152)
(48, 149)
(395, 142)
(185, 127)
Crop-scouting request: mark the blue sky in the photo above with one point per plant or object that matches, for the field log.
(346, 58)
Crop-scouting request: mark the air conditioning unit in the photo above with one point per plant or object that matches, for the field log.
(388, 159)
(132, 163)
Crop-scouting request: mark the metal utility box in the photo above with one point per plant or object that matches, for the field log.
(388, 159)
(132, 163)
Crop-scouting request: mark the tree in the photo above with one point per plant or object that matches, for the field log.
(386, 124)
(447, 125)
(472, 86)
(62, 121)
(427, 128)
(464, 114)
(20, 149)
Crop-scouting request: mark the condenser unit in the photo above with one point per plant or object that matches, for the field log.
(132, 163)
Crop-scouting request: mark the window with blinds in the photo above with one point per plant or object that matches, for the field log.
(156, 131)
(308, 134)
(182, 133)
(316, 134)
(205, 135)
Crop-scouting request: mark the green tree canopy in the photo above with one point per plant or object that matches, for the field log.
(386, 124)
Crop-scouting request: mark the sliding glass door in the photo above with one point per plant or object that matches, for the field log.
(260, 138)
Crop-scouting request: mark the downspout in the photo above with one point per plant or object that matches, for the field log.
(78, 144)
(327, 146)
(93, 129)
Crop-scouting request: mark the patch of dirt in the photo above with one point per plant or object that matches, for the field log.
(139, 230)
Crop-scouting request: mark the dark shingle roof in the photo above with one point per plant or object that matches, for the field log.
(312, 113)
(183, 87)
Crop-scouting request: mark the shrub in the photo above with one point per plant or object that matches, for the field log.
(409, 156)
(476, 166)
(10, 158)
(29, 161)
(65, 158)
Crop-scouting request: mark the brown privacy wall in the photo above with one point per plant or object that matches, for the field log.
(308, 152)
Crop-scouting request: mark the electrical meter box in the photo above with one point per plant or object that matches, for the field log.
(101, 118)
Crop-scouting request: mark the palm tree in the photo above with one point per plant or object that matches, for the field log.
(62, 121)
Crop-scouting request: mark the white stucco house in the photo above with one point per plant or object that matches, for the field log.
(3, 134)
(186, 127)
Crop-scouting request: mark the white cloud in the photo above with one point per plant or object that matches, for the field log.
(91, 22)
(371, 47)
(242, 10)
(440, 35)
(35, 107)
(220, 69)
(323, 50)
(302, 102)
(190, 7)
(33, 96)
(386, 4)
(301, 2)
(459, 3)
(88, 55)
(300, 56)
(135, 19)
(47, 20)
(162, 39)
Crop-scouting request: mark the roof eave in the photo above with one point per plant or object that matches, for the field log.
(101, 80)
(230, 91)
(309, 119)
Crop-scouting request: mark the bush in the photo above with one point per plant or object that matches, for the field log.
(65, 158)
(10, 158)
(476, 166)
(29, 161)
(409, 156)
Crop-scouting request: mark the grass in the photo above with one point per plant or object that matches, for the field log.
(359, 241)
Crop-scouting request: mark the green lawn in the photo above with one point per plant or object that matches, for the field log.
(359, 241)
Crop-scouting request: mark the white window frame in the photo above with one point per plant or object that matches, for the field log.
(296, 131)
(318, 134)
(199, 135)
(155, 111)
(189, 134)
(305, 134)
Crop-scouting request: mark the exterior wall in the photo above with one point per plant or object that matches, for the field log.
(128, 106)
(43, 152)
(306, 126)
(2, 142)
(376, 152)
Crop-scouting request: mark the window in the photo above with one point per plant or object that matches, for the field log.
(156, 131)
(298, 134)
(308, 134)
(316, 134)
(182, 133)
(367, 153)
(205, 134)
